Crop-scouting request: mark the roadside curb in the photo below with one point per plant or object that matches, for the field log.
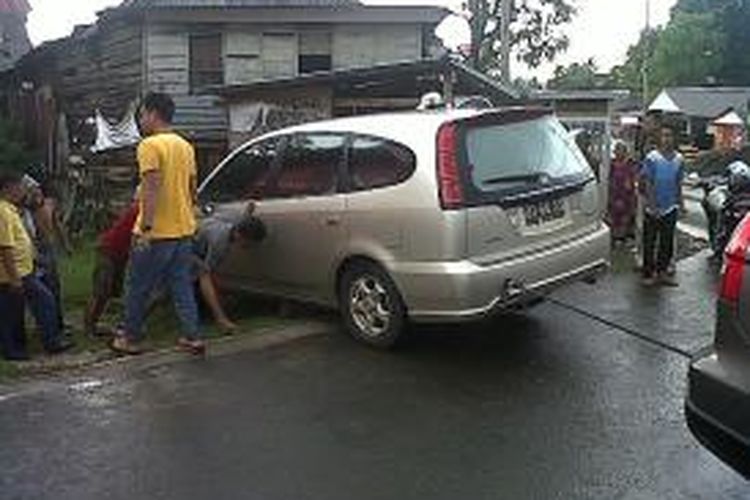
(117, 367)
(265, 338)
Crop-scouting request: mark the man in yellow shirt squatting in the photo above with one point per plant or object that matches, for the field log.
(162, 252)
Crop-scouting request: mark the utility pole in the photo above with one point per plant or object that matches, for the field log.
(646, 46)
(505, 48)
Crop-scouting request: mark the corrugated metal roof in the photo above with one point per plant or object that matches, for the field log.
(709, 102)
(157, 4)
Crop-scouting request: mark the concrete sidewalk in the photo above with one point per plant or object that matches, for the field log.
(682, 318)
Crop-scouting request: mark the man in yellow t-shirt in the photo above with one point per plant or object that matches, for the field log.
(19, 286)
(163, 233)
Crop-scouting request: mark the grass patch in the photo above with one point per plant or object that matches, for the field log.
(162, 326)
(8, 370)
(75, 275)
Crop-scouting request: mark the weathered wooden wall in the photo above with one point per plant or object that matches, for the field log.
(254, 52)
(282, 108)
(110, 65)
(369, 45)
(243, 50)
(260, 52)
(168, 58)
(167, 69)
(99, 70)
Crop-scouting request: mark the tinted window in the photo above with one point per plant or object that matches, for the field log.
(309, 166)
(521, 154)
(246, 175)
(376, 163)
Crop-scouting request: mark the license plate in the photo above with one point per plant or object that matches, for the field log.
(539, 214)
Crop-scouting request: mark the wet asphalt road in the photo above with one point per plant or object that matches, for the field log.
(694, 217)
(552, 405)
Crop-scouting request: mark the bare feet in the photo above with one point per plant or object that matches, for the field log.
(227, 326)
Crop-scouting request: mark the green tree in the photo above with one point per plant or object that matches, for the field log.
(690, 51)
(536, 34)
(733, 18)
(630, 74)
(13, 152)
(703, 6)
(576, 76)
(526, 86)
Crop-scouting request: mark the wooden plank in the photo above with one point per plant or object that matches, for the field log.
(239, 71)
(242, 43)
(279, 57)
(319, 43)
(360, 46)
(168, 60)
(378, 102)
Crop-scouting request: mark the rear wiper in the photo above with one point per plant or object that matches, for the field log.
(515, 179)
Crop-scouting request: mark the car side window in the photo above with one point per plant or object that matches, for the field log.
(247, 174)
(309, 165)
(376, 163)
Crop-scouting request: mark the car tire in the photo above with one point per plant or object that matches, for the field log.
(372, 308)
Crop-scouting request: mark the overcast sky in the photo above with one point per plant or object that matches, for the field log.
(603, 29)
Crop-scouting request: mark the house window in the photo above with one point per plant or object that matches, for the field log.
(313, 63)
(279, 55)
(315, 52)
(206, 65)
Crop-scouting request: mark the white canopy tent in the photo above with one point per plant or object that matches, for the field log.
(664, 103)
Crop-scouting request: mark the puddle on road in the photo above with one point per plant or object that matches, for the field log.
(86, 386)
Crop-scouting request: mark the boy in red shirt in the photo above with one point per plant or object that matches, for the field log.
(113, 251)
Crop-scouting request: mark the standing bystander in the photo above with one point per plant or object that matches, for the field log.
(19, 285)
(623, 201)
(661, 179)
(43, 222)
(163, 250)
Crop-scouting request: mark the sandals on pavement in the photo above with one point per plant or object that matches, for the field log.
(122, 346)
(194, 347)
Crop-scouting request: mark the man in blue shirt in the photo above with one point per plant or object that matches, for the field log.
(661, 180)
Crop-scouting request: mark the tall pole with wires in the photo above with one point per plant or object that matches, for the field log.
(507, 12)
(646, 55)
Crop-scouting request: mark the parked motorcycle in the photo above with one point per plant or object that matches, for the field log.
(726, 201)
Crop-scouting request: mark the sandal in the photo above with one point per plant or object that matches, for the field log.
(194, 347)
(120, 345)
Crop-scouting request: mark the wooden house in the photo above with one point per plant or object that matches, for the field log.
(191, 49)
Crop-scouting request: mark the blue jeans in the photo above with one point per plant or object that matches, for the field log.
(12, 331)
(167, 263)
(43, 305)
